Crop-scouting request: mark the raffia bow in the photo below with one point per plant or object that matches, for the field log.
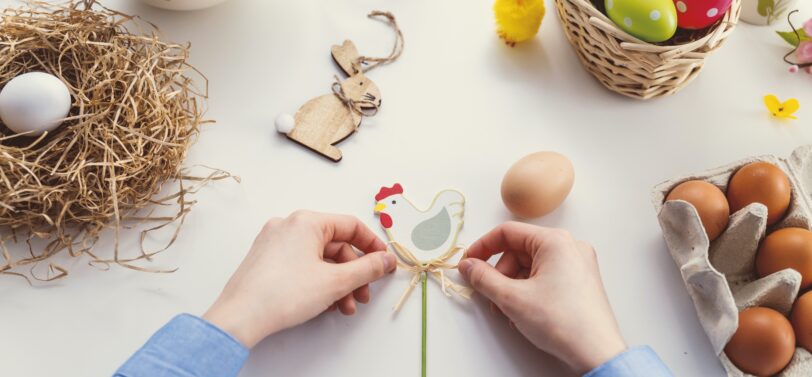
(435, 268)
(363, 107)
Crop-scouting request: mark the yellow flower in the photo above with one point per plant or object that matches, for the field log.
(518, 20)
(781, 110)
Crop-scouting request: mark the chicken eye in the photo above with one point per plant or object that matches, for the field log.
(394, 202)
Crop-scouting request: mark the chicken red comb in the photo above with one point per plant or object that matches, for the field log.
(389, 191)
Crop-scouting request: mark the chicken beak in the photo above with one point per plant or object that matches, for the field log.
(379, 207)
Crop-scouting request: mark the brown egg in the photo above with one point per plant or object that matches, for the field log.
(802, 321)
(760, 182)
(763, 344)
(537, 184)
(710, 204)
(786, 248)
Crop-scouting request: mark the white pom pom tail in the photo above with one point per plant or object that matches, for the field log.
(285, 123)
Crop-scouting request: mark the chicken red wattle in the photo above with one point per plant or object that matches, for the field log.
(386, 220)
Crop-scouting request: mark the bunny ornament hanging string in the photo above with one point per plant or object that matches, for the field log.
(326, 120)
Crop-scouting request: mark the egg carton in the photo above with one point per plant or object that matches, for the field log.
(720, 276)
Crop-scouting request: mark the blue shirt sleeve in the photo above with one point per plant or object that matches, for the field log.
(187, 346)
(635, 362)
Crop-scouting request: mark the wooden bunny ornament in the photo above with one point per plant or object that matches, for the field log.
(325, 121)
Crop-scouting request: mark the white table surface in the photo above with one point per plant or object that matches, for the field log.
(459, 107)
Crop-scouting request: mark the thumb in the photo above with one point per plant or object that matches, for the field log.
(486, 280)
(367, 269)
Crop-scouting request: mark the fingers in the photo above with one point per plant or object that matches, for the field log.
(508, 236)
(488, 281)
(342, 252)
(508, 265)
(365, 269)
(521, 244)
(346, 305)
(362, 294)
(343, 228)
(495, 310)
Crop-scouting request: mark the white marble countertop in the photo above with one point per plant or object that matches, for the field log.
(459, 107)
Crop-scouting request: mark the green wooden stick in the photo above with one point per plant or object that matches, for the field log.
(423, 360)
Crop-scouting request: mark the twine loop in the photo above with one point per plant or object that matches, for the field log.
(435, 268)
(397, 49)
(364, 63)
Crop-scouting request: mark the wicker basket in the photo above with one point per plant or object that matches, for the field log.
(632, 67)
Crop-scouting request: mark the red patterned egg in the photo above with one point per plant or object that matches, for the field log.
(699, 14)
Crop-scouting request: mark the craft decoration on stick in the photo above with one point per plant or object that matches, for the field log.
(325, 121)
(424, 241)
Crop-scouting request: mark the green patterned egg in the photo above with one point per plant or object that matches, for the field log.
(649, 20)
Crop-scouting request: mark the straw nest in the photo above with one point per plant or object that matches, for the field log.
(134, 115)
(632, 67)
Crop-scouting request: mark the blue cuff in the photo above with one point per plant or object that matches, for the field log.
(635, 362)
(187, 346)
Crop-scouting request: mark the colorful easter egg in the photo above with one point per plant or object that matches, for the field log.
(649, 20)
(699, 14)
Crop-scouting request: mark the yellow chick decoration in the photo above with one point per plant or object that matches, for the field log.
(518, 20)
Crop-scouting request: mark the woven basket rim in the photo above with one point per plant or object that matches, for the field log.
(601, 21)
(630, 66)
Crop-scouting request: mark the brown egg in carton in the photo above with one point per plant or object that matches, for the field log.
(720, 275)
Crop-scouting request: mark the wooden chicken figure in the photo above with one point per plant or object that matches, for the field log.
(424, 241)
(427, 233)
(325, 121)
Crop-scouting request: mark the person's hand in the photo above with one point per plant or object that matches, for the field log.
(549, 287)
(297, 268)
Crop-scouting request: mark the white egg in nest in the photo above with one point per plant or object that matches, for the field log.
(33, 103)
